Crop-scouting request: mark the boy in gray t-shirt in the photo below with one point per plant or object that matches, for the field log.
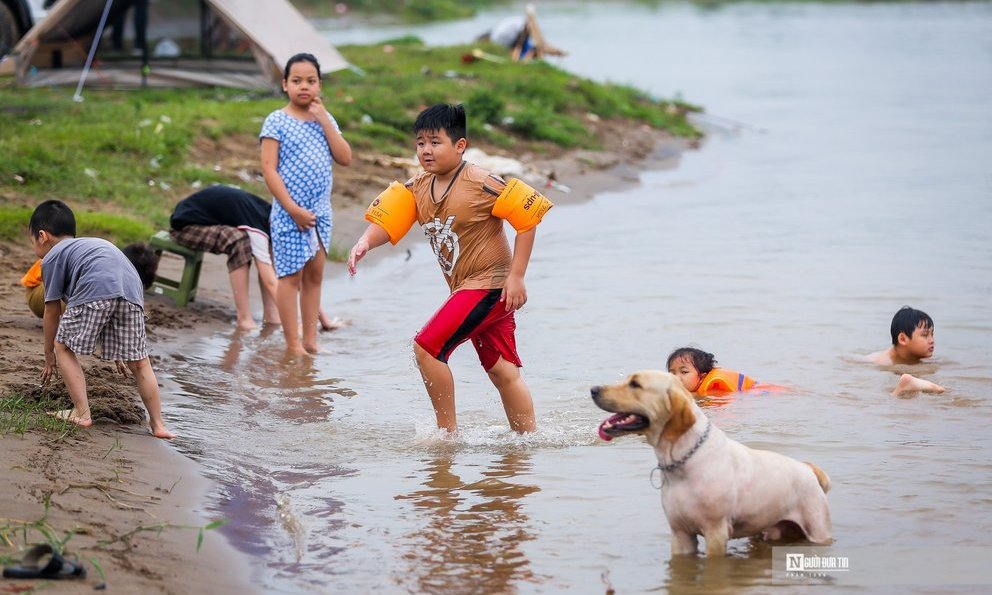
(104, 299)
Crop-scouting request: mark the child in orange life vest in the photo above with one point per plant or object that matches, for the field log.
(34, 289)
(461, 208)
(699, 375)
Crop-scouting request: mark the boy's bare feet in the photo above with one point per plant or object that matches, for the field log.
(246, 324)
(71, 415)
(911, 384)
(161, 432)
(314, 349)
(330, 324)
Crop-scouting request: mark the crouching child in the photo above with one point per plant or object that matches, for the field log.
(104, 297)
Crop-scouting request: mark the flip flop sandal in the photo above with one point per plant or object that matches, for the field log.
(42, 561)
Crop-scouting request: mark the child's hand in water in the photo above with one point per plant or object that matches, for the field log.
(303, 218)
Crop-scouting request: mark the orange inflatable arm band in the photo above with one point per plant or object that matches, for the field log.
(394, 210)
(521, 205)
(721, 381)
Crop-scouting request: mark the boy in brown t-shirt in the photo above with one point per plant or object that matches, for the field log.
(453, 203)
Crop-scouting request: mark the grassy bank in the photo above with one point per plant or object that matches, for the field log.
(124, 158)
(411, 11)
(20, 414)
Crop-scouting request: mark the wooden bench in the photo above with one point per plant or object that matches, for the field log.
(182, 291)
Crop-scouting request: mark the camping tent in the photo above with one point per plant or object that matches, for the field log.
(272, 31)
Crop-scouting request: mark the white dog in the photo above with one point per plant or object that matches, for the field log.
(713, 486)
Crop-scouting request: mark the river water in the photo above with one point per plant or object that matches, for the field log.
(846, 173)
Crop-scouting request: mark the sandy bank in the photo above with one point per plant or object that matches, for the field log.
(129, 503)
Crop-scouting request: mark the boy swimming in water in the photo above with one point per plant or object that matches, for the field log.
(912, 342)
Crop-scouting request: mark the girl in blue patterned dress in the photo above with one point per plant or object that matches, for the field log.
(299, 142)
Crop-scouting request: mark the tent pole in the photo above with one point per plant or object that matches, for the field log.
(89, 59)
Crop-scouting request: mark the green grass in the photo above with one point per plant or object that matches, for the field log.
(115, 150)
(122, 159)
(505, 102)
(20, 414)
(121, 229)
(413, 11)
(406, 10)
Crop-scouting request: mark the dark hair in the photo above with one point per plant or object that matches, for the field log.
(302, 57)
(55, 217)
(908, 320)
(145, 261)
(442, 116)
(701, 360)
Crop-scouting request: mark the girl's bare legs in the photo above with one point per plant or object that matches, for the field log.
(239, 287)
(287, 289)
(267, 283)
(313, 277)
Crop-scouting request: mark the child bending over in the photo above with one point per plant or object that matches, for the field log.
(104, 295)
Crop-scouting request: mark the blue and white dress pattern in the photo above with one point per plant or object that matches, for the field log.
(305, 169)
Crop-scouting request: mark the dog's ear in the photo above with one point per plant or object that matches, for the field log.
(681, 417)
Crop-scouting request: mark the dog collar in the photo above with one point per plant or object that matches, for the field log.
(676, 464)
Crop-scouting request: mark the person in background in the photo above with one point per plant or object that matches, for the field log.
(227, 220)
(140, 8)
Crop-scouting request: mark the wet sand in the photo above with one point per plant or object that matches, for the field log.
(107, 481)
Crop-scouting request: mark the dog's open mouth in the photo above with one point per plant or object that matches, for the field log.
(620, 423)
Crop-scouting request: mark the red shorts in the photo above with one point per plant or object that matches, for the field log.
(475, 314)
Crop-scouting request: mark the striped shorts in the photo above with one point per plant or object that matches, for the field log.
(117, 325)
(217, 239)
(474, 315)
